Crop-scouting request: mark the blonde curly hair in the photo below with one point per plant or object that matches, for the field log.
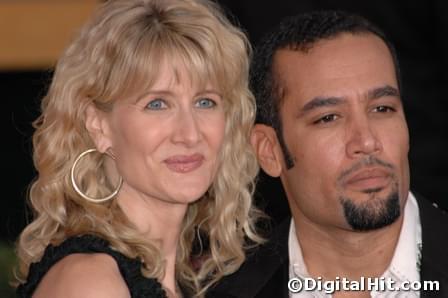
(119, 52)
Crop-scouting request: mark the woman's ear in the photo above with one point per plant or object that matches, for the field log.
(98, 127)
(265, 143)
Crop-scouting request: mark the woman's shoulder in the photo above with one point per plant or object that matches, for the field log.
(83, 275)
(85, 266)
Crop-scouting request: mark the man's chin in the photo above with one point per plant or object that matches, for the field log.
(371, 209)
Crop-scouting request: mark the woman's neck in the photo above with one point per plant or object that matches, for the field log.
(160, 221)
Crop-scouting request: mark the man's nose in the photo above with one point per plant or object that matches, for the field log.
(362, 138)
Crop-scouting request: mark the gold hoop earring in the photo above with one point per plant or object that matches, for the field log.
(78, 190)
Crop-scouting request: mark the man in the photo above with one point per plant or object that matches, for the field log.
(332, 127)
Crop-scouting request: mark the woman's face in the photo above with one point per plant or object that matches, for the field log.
(167, 142)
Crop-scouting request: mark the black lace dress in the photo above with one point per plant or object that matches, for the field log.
(139, 286)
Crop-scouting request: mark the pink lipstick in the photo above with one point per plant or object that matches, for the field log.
(184, 163)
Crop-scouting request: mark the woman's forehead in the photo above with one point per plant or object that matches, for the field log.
(171, 69)
(170, 72)
(177, 73)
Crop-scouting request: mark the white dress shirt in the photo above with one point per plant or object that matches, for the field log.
(403, 267)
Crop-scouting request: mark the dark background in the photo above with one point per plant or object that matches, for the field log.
(419, 30)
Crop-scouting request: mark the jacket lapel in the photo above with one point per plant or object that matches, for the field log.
(434, 263)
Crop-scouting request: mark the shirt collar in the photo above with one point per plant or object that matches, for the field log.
(405, 261)
(296, 263)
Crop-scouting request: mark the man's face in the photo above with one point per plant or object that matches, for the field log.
(344, 127)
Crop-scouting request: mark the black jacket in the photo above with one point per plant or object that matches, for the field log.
(265, 273)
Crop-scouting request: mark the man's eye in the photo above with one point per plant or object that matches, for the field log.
(326, 119)
(205, 103)
(383, 109)
(156, 104)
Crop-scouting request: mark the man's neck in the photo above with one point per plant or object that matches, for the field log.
(335, 252)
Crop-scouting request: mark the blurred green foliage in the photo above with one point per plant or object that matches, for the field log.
(7, 263)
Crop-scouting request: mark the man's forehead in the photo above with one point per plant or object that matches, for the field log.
(335, 66)
(325, 49)
(287, 72)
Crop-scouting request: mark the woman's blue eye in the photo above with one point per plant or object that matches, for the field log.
(205, 103)
(156, 104)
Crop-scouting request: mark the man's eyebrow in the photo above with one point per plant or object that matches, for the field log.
(375, 93)
(383, 91)
(318, 102)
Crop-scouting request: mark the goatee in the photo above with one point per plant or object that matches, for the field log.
(373, 214)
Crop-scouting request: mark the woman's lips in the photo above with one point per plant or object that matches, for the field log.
(184, 163)
(368, 179)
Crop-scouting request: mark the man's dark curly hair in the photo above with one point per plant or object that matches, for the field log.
(300, 33)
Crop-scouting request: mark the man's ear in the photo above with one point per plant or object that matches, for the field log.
(265, 143)
(98, 128)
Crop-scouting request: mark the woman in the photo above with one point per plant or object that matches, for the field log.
(142, 150)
